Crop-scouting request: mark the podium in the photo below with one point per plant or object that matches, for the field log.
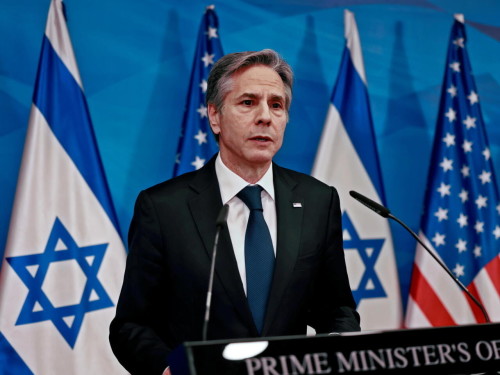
(446, 350)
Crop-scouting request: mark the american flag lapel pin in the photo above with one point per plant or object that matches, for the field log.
(297, 205)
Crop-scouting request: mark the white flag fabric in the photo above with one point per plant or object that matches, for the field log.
(64, 259)
(347, 158)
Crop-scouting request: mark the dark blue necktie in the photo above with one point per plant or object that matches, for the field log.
(259, 255)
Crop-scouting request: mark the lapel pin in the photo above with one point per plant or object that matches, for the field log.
(297, 204)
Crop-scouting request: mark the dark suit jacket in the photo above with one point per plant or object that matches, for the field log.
(163, 297)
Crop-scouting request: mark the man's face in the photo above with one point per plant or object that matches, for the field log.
(252, 121)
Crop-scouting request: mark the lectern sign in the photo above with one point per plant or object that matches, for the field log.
(448, 350)
(310, 363)
(393, 358)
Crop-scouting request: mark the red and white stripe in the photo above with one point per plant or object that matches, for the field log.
(435, 300)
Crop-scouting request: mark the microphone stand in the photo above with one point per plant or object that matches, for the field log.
(459, 283)
(221, 220)
(384, 212)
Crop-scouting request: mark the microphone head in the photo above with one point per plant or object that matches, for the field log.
(222, 217)
(378, 208)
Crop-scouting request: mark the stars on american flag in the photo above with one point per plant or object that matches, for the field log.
(441, 214)
(198, 162)
(203, 86)
(196, 144)
(462, 220)
(212, 32)
(473, 98)
(470, 122)
(444, 189)
(481, 201)
(463, 197)
(449, 139)
(455, 66)
(459, 270)
(438, 239)
(452, 90)
(461, 245)
(208, 59)
(485, 177)
(459, 42)
(201, 137)
(479, 227)
(202, 111)
(461, 217)
(446, 164)
(486, 154)
(451, 114)
(467, 146)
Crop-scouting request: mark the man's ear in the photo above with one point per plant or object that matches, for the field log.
(213, 118)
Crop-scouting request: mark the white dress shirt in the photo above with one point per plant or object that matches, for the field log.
(231, 184)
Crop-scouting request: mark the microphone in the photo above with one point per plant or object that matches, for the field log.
(219, 224)
(384, 212)
(378, 208)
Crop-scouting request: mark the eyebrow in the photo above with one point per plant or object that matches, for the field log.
(255, 96)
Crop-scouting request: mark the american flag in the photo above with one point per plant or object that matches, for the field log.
(196, 144)
(461, 219)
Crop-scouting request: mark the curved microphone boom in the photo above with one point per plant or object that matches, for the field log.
(384, 212)
(219, 224)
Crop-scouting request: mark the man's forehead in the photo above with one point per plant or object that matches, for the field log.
(256, 76)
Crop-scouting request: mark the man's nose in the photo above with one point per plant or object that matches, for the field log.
(263, 114)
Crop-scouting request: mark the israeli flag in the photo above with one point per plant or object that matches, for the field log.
(64, 259)
(347, 158)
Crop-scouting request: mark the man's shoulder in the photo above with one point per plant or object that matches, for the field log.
(305, 180)
(184, 184)
(173, 184)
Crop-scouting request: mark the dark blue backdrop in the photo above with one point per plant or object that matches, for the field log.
(135, 58)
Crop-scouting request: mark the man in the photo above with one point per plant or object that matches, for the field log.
(162, 302)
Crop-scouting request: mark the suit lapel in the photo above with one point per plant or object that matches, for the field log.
(289, 233)
(205, 207)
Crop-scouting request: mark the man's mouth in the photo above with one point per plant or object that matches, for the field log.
(261, 139)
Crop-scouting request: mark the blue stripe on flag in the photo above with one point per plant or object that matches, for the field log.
(62, 102)
(10, 362)
(350, 97)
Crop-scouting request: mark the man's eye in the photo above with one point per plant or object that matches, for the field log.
(247, 102)
(277, 105)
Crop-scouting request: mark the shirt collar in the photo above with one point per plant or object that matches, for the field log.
(231, 184)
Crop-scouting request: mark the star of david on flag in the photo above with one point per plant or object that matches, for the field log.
(64, 259)
(368, 250)
(347, 158)
(461, 221)
(196, 143)
(40, 306)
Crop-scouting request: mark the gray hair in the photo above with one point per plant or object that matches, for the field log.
(220, 82)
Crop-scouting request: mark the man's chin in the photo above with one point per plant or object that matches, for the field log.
(261, 157)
